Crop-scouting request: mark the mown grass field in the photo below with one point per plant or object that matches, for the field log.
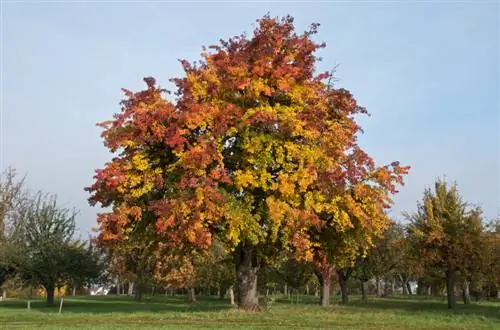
(159, 312)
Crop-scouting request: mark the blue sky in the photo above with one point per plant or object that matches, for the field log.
(428, 72)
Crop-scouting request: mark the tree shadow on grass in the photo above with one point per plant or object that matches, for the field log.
(121, 304)
(429, 306)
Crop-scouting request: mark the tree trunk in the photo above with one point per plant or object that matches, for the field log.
(408, 288)
(466, 292)
(343, 288)
(191, 295)
(387, 288)
(222, 292)
(138, 293)
(4, 294)
(325, 280)
(325, 291)
(130, 288)
(379, 289)
(246, 278)
(285, 289)
(118, 287)
(230, 292)
(50, 295)
(403, 284)
(434, 289)
(73, 291)
(420, 287)
(450, 288)
(363, 291)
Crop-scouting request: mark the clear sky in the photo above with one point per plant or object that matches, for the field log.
(428, 72)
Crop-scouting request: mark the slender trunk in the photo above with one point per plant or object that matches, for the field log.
(4, 294)
(222, 292)
(285, 289)
(130, 288)
(403, 284)
(307, 289)
(246, 278)
(73, 291)
(466, 292)
(434, 289)
(191, 295)
(420, 287)
(138, 293)
(387, 288)
(408, 288)
(379, 289)
(343, 288)
(50, 294)
(450, 288)
(230, 292)
(363, 291)
(118, 287)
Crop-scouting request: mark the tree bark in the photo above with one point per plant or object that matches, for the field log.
(466, 292)
(325, 280)
(191, 295)
(363, 291)
(50, 294)
(325, 291)
(450, 288)
(4, 294)
(246, 278)
(285, 289)
(73, 291)
(379, 289)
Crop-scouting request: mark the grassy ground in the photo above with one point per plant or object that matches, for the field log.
(174, 313)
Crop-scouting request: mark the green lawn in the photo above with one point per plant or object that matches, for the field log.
(174, 313)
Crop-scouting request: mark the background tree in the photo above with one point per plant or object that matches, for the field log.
(12, 201)
(44, 239)
(446, 231)
(85, 265)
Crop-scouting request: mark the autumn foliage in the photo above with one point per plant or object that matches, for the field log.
(257, 150)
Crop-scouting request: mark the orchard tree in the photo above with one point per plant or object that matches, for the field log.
(44, 237)
(256, 150)
(447, 232)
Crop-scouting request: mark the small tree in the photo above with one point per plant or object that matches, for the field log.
(84, 265)
(44, 236)
(447, 233)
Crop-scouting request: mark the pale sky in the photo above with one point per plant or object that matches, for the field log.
(428, 72)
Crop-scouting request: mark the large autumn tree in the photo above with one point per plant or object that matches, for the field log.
(254, 151)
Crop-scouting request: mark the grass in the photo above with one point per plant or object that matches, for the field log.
(111, 312)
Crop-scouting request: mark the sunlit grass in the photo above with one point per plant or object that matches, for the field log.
(175, 313)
